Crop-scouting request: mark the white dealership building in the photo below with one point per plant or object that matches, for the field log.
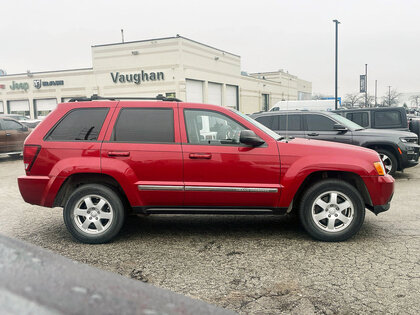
(173, 66)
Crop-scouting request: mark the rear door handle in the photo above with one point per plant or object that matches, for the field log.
(118, 153)
(313, 134)
(206, 156)
(8, 134)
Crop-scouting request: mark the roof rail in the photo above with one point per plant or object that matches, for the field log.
(96, 97)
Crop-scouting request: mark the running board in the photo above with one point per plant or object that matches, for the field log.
(238, 211)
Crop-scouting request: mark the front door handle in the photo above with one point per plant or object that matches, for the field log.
(206, 156)
(118, 153)
(313, 134)
(8, 134)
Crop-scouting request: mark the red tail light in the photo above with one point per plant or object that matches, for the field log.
(30, 152)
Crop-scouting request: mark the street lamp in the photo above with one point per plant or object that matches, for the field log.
(336, 62)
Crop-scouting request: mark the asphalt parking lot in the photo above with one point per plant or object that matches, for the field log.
(249, 264)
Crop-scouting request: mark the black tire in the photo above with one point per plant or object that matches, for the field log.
(389, 160)
(111, 219)
(339, 231)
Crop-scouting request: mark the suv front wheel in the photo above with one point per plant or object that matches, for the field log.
(332, 211)
(94, 214)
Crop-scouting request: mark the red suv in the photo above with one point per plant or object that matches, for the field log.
(102, 159)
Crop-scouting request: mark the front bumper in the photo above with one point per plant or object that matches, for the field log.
(381, 191)
(410, 155)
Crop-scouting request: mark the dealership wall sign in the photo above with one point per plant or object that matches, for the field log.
(137, 78)
(19, 86)
(39, 83)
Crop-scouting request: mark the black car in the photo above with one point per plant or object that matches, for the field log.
(398, 149)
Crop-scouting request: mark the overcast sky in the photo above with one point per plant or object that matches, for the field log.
(297, 36)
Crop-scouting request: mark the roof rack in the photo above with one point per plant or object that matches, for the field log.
(96, 97)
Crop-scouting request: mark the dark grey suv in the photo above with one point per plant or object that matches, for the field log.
(398, 149)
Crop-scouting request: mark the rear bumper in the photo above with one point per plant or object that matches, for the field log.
(381, 190)
(38, 190)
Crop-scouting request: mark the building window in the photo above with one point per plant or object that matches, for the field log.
(20, 107)
(231, 96)
(214, 94)
(266, 102)
(194, 90)
(44, 106)
(1, 108)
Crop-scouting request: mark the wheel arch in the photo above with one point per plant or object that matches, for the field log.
(78, 179)
(353, 179)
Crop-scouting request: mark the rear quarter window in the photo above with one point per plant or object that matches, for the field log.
(388, 119)
(80, 124)
(360, 118)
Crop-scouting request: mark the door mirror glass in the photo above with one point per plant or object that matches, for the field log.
(249, 137)
(24, 128)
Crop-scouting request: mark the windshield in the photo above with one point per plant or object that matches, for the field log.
(263, 128)
(346, 122)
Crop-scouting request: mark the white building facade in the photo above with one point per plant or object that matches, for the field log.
(174, 66)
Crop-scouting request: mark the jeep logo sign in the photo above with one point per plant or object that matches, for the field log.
(19, 86)
(136, 78)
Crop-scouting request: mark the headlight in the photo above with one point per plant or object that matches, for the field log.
(379, 166)
(409, 139)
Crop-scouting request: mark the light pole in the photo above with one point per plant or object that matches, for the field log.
(336, 62)
(376, 88)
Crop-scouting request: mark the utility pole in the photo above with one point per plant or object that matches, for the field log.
(336, 63)
(366, 104)
(389, 95)
(376, 89)
(122, 36)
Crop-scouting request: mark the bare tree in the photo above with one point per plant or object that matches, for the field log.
(391, 98)
(352, 99)
(415, 100)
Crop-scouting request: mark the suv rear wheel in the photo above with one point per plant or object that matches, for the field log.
(332, 211)
(94, 214)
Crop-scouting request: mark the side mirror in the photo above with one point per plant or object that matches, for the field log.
(340, 127)
(24, 128)
(249, 137)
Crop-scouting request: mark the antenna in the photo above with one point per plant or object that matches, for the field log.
(122, 36)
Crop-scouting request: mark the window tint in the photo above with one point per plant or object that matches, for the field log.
(266, 121)
(11, 125)
(82, 124)
(293, 123)
(212, 128)
(388, 118)
(319, 123)
(360, 118)
(145, 125)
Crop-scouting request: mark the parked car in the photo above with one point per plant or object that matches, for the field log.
(12, 136)
(397, 149)
(101, 159)
(382, 118)
(30, 123)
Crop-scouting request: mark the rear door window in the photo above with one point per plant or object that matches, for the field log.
(145, 125)
(294, 123)
(81, 124)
